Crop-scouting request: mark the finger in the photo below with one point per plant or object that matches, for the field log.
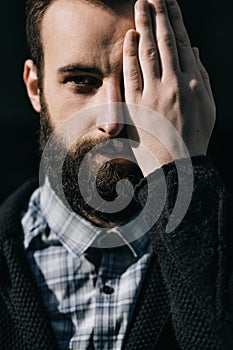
(203, 71)
(165, 38)
(148, 51)
(131, 68)
(185, 52)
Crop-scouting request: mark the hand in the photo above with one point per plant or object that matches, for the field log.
(164, 73)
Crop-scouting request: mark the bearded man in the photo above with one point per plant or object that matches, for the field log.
(124, 242)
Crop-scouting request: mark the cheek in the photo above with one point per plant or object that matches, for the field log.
(71, 116)
(61, 103)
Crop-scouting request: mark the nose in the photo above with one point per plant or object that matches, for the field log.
(111, 121)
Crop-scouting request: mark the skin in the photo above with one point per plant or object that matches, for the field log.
(141, 55)
(75, 45)
(164, 73)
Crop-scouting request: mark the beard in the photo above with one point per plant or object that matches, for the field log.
(101, 178)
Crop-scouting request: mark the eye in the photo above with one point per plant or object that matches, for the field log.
(83, 83)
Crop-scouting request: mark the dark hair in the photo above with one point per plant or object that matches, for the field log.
(34, 10)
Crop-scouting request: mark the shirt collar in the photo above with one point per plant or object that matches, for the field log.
(74, 232)
(32, 220)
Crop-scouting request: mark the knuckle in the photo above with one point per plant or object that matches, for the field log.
(130, 52)
(172, 91)
(194, 85)
(132, 74)
(160, 7)
(173, 95)
(182, 40)
(167, 40)
(150, 53)
(196, 88)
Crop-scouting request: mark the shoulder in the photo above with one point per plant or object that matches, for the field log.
(12, 207)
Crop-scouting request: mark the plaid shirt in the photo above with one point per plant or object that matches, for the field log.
(89, 293)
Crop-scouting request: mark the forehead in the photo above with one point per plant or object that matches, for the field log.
(83, 29)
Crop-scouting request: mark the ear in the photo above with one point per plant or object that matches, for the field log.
(30, 78)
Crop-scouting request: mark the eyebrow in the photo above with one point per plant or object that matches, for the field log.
(75, 68)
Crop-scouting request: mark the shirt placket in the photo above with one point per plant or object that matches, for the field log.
(106, 297)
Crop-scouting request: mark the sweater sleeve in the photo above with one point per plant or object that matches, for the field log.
(196, 256)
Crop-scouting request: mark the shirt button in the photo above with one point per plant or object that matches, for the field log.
(108, 290)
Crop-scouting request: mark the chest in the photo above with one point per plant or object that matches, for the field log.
(90, 299)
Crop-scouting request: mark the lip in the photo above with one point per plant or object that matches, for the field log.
(114, 151)
(114, 146)
(115, 157)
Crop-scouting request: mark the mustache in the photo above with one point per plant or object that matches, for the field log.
(111, 146)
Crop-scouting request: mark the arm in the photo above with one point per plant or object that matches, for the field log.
(196, 258)
(163, 73)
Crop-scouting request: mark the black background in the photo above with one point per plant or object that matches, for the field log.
(209, 23)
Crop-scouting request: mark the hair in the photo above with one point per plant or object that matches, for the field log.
(35, 10)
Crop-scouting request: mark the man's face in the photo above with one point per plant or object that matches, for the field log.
(82, 45)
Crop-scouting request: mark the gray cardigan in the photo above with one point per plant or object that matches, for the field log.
(186, 301)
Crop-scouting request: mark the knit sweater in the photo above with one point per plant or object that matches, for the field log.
(186, 297)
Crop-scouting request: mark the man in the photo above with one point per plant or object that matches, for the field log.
(80, 276)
